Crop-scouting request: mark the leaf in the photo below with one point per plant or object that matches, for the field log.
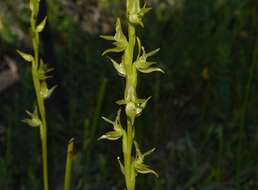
(112, 135)
(25, 56)
(145, 169)
(42, 25)
(119, 67)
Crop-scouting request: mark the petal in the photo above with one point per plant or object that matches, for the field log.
(153, 52)
(107, 120)
(144, 169)
(112, 135)
(119, 67)
(151, 69)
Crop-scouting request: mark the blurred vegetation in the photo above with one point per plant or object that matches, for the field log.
(203, 117)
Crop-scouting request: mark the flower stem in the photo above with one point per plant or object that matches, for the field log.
(129, 175)
(130, 94)
(40, 102)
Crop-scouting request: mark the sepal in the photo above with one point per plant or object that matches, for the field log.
(120, 68)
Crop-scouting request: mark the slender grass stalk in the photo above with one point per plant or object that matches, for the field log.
(241, 132)
(68, 168)
(39, 75)
(244, 108)
(101, 94)
(129, 67)
(90, 138)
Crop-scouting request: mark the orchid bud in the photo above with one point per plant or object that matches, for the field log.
(130, 110)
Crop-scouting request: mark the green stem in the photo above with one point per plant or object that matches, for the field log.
(68, 168)
(130, 95)
(44, 157)
(129, 178)
(40, 103)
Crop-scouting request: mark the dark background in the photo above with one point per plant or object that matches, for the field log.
(202, 118)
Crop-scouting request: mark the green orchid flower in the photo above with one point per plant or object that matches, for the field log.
(120, 41)
(145, 66)
(139, 165)
(118, 130)
(136, 13)
(34, 120)
(134, 109)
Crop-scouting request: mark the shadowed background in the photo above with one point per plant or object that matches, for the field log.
(202, 117)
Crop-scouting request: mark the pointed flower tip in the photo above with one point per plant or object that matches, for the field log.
(162, 71)
(156, 174)
(107, 120)
(42, 25)
(104, 53)
(101, 138)
(107, 37)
